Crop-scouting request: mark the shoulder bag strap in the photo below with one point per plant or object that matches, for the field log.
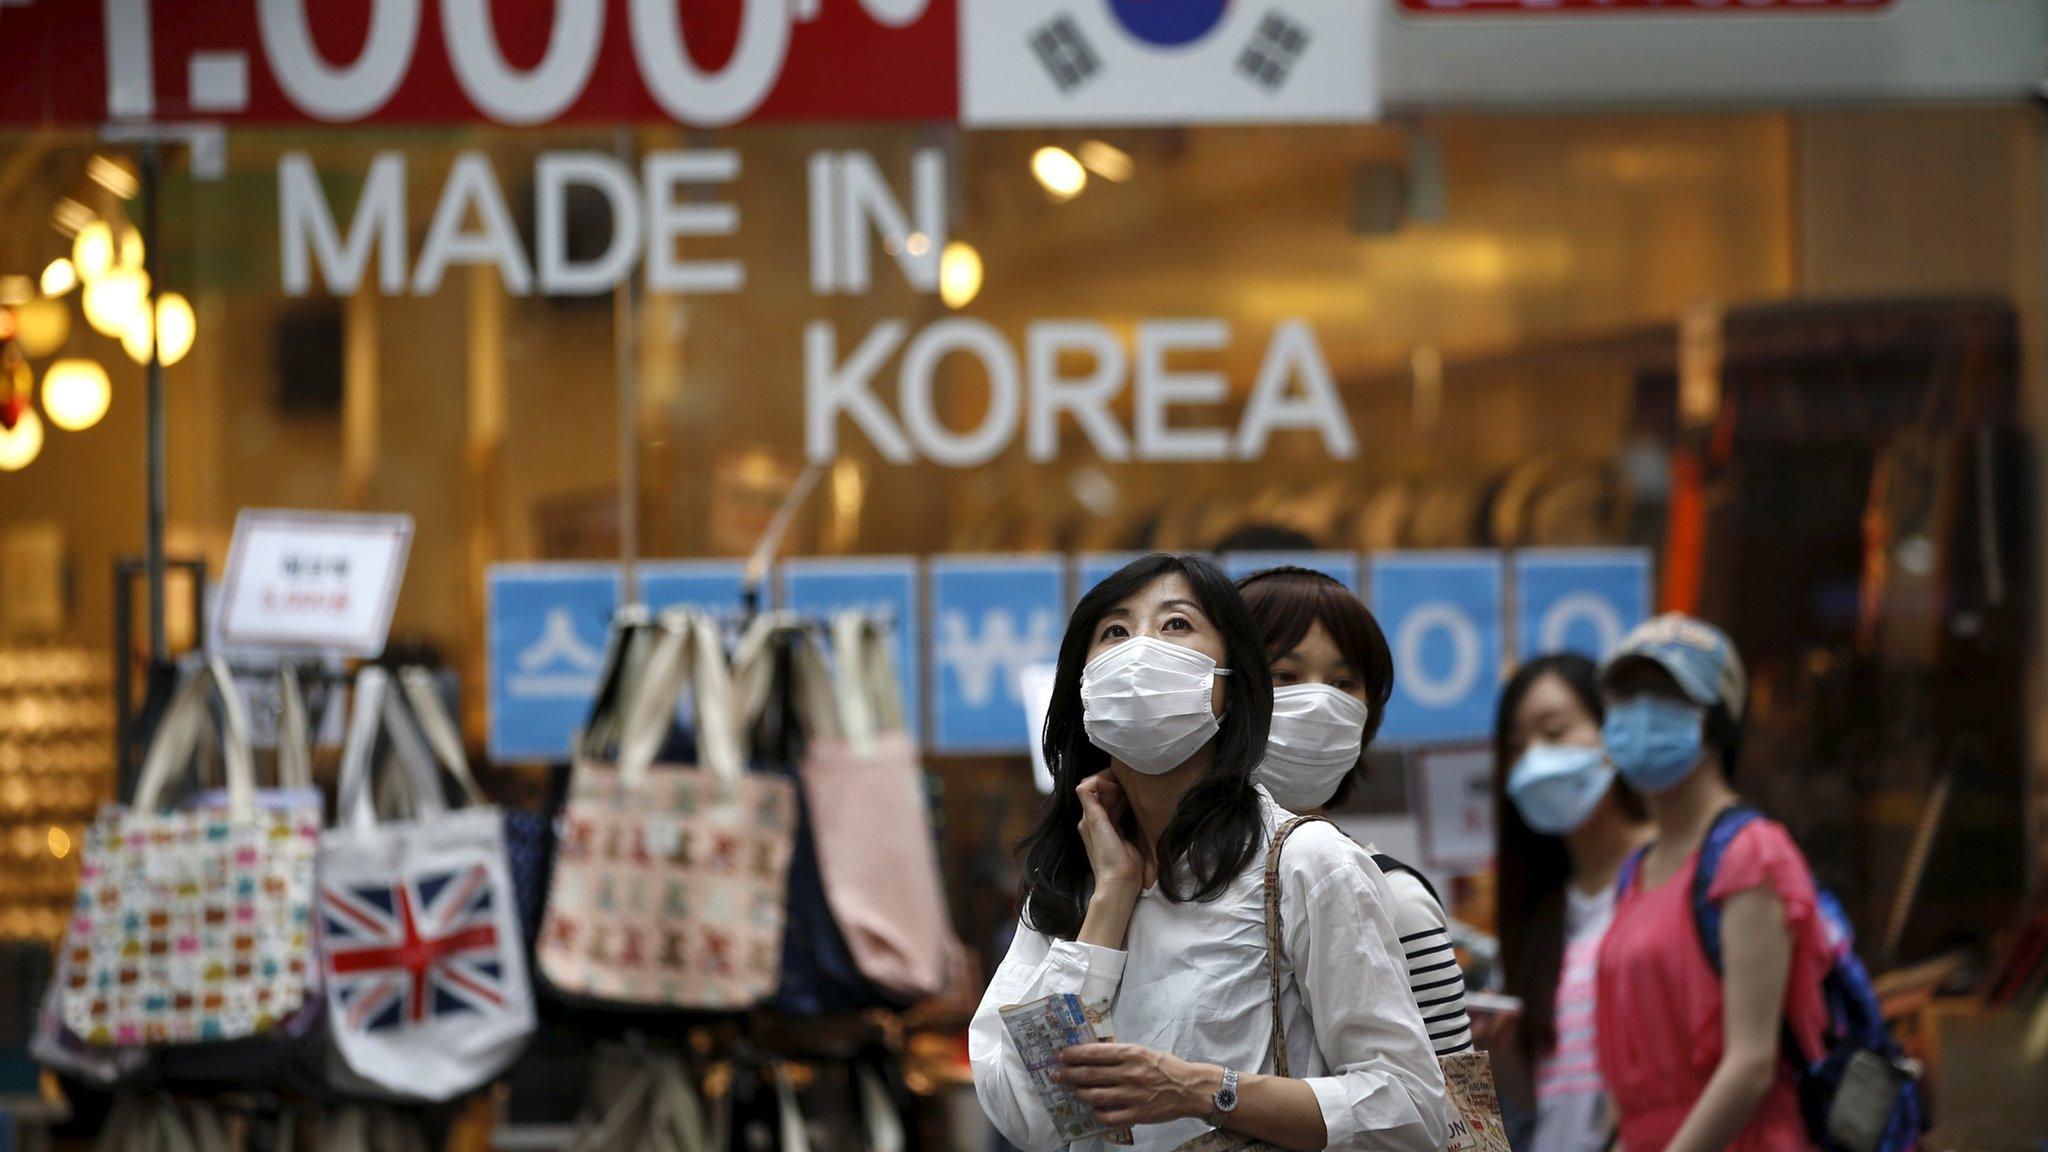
(1706, 918)
(1389, 864)
(424, 695)
(865, 676)
(1276, 936)
(754, 672)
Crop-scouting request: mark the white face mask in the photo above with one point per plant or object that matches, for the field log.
(1316, 737)
(1146, 702)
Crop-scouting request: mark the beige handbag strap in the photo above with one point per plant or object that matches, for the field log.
(870, 698)
(377, 709)
(294, 737)
(439, 728)
(754, 674)
(689, 656)
(1276, 936)
(178, 733)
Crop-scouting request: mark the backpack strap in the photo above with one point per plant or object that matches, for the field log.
(1626, 878)
(1389, 864)
(1706, 915)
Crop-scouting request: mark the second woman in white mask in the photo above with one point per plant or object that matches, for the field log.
(1332, 676)
(1145, 885)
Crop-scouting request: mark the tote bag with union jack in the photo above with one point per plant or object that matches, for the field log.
(420, 941)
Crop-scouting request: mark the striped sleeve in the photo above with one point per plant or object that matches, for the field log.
(1434, 977)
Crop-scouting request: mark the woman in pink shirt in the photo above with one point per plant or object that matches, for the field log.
(1694, 1062)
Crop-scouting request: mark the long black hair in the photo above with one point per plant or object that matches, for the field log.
(1217, 830)
(1532, 869)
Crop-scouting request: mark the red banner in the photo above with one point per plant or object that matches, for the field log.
(1600, 7)
(700, 62)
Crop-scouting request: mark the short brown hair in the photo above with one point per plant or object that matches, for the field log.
(1287, 602)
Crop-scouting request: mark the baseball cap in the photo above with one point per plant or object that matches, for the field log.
(1699, 656)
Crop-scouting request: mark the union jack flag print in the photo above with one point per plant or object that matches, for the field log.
(405, 955)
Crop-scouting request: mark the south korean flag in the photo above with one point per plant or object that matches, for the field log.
(1114, 62)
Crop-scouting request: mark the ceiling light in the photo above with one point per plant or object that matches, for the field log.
(1058, 172)
(76, 393)
(41, 327)
(21, 444)
(131, 248)
(1108, 161)
(116, 300)
(959, 274)
(16, 290)
(92, 254)
(175, 323)
(114, 176)
(59, 277)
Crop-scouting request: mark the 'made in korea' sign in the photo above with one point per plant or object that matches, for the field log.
(313, 581)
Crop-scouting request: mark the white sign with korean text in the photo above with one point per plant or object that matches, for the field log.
(313, 581)
(1451, 791)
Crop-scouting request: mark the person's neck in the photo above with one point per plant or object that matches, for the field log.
(1154, 799)
(1685, 813)
(1600, 846)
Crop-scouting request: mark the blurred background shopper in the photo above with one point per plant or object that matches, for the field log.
(1144, 884)
(1565, 826)
(1332, 676)
(1695, 1060)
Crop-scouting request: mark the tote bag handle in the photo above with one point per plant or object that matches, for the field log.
(376, 709)
(689, 656)
(439, 728)
(294, 735)
(754, 669)
(870, 700)
(178, 734)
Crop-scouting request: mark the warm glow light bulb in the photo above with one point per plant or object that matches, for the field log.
(1059, 172)
(959, 274)
(175, 324)
(59, 277)
(20, 445)
(76, 393)
(131, 249)
(41, 327)
(92, 253)
(116, 300)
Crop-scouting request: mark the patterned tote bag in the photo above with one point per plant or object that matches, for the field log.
(884, 890)
(195, 926)
(668, 882)
(420, 942)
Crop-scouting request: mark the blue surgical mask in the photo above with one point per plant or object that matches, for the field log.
(1556, 786)
(1654, 741)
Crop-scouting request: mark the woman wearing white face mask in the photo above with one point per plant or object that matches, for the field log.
(1332, 675)
(1145, 886)
(1564, 826)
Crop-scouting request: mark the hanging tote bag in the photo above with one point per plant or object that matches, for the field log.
(420, 941)
(668, 883)
(866, 794)
(785, 693)
(195, 925)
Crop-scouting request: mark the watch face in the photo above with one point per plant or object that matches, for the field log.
(1226, 1099)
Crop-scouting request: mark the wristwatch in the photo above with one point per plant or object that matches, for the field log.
(1225, 1098)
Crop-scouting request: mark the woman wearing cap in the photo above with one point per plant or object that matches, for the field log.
(1332, 675)
(1564, 827)
(1694, 1060)
(1145, 884)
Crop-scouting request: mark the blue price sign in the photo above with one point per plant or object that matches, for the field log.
(991, 617)
(544, 646)
(885, 587)
(707, 585)
(1339, 566)
(1579, 600)
(1442, 616)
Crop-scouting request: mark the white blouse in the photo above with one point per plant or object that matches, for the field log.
(1192, 982)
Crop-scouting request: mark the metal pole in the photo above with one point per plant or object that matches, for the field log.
(626, 369)
(152, 265)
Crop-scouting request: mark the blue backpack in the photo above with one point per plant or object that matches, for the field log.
(1863, 1094)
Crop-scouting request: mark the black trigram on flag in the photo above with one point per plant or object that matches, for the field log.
(1274, 49)
(1061, 48)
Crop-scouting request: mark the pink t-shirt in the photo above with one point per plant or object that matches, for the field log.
(1659, 1026)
